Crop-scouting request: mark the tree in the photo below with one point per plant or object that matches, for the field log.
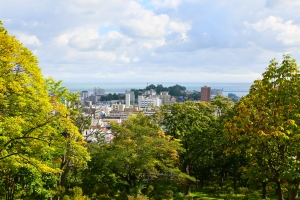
(72, 153)
(36, 128)
(25, 113)
(194, 124)
(266, 127)
(177, 90)
(139, 154)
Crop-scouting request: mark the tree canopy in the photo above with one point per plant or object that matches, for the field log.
(266, 127)
(32, 120)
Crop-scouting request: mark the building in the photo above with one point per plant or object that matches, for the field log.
(132, 96)
(216, 91)
(123, 115)
(127, 100)
(118, 107)
(165, 98)
(145, 102)
(98, 91)
(84, 95)
(150, 92)
(205, 94)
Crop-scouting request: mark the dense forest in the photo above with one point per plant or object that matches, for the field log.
(225, 150)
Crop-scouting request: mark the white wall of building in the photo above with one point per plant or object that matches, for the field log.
(127, 100)
(147, 102)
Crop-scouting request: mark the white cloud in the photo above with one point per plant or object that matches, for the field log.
(166, 3)
(28, 39)
(289, 34)
(179, 27)
(136, 59)
(147, 26)
(124, 58)
(168, 40)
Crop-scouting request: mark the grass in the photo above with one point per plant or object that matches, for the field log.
(237, 196)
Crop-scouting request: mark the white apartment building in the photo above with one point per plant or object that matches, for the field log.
(145, 102)
(165, 98)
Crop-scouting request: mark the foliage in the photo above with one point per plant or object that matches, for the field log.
(139, 154)
(26, 117)
(266, 126)
(33, 120)
(195, 125)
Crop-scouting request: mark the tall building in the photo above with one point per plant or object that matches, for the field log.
(127, 100)
(84, 95)
(205, 94)
(132, 96)
(99, 91)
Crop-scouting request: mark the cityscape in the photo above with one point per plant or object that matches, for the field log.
(149, 100)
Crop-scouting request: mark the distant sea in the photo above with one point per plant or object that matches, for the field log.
(240, 89)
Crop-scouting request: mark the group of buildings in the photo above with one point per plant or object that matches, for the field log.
(119, 110)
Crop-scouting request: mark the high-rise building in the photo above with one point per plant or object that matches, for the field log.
(84, 95)
(127, 100)
(132, 96)
(205, 94)
(99, 91)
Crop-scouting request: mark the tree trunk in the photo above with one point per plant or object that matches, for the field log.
(188, 186)
(279, 191)
(63, 176)
(264, 190)
(293, 194)
(293, 191)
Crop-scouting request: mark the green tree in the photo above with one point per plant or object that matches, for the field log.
(177, 90)
(139, 154)
(266, 127)
(72, 152)
(25, 114)
(194, 124)
(36, 127)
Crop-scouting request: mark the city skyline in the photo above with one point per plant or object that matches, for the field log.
(155, 40)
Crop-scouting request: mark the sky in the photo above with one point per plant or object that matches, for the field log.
(155, 40)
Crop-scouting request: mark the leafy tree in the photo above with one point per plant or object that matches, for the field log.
(149, 87)
(194, 123)
(177, 90)
(160, 88)
(34, 123)
(25, 114)
(72, 153)
(266, 127)
(139, 154)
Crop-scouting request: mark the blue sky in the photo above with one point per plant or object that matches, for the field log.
(155, 40)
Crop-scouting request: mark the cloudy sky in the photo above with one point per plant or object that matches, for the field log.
(155, 40)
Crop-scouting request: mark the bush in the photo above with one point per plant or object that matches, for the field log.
(245, 192)
(169, 194)
(104, 197)
(179, 196)
(66, 197)
(138, 197)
